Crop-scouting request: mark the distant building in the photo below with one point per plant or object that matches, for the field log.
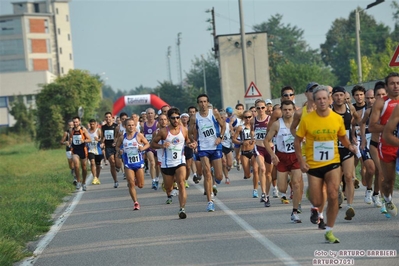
(35, 48)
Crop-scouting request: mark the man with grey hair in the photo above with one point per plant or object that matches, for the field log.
(322, 129)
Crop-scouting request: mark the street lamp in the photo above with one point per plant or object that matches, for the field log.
(359, 59)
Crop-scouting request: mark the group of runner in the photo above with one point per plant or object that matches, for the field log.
(325, 138)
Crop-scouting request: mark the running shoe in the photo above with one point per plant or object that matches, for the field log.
(295, 218)
(391, 208)
(299, 208)
(169, 200)
(227, 182)
(72, 171)
(314, 215)
(98, 182)
(186, 184)
(182, 213)
(116, 185)
(174, 192)
(215, 190)
(349, 214)
(210, 207)
(75, 181)
(255, 194)
(117, 169)
(136, 206)
(153, 185)
(84, 188)
(322, 224)
(175, 186)
(267, 202)
(94, 182)
(78, 185)
(383, 209)
(263, 198)
(368, 197)
(284, 200)
(246, 177)
(275, 193)
(238, 166)
(124, 176)
(235, 163)
(330, 238)
(218, 181)
(157, 183)
(195, 179)
(356, 183)
(377, 201)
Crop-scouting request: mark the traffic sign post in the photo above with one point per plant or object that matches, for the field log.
(395, 58)
(252, 94)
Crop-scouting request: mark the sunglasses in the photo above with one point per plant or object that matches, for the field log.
(260, 107)
(174, 117)
(289, 95)
(247, 117)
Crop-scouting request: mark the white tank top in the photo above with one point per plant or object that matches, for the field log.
(208, 130)
(92, 146)
(174, 154)
(284, 138)
(226, 142)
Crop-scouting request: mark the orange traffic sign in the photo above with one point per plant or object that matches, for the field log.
(252, 91)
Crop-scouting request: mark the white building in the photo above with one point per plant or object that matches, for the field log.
(35, 47)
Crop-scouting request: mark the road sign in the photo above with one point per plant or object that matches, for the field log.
(395, 58)
(252, 91)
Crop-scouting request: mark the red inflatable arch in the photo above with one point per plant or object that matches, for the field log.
(142, 99)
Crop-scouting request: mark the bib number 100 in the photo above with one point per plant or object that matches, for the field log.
(208, 132)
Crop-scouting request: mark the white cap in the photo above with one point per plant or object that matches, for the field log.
(268, 101)
(184, 114)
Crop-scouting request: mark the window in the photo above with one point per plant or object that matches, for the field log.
(67, 18)
(59, 31)
(30, 99)
(12, 47)
(56, 11)
(70, 56)
(3, 101)
(12, 65)
(62, 70)
(69, 37)
(36, 7)
(60, 50)
(10, 26)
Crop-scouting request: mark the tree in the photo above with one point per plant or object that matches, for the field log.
(340, 45)
(301, 74)
(25, 117)
(286, 46)
(174, 95)
(59, 101)
(195, 80)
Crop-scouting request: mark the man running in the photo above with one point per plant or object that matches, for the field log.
(95, 151)
(173, 165)
(208, 129)
(65, 141)
(108, 139)
(322, 129)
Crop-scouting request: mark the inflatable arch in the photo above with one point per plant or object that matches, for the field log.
(142, 99)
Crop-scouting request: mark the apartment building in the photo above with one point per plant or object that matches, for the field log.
(35, 48)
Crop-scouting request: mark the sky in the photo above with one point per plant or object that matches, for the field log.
(126, 42)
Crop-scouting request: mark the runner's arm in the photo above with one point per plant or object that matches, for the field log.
(390, 134)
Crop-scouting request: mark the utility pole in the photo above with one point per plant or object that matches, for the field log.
(179, 60)
(358, 52)
(213, 29)
(168, 54)
(243, 45)
(204, 72)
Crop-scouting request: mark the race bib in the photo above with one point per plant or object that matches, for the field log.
(260, 133)
(288, 142)
(133, 156)
(93, 147)
(109, 134)
(323, 151)
(77, 139)
(207, 132)
(148, 137)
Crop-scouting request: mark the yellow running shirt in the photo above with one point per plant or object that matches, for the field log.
(321, 135)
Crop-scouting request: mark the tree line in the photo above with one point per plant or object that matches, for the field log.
(291, 60)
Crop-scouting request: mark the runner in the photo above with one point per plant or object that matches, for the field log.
(108, 139)
(78, 137)
(284, 159)
(381, 112)
(227, 149)
(133, 143)
(65, 141)
(95, 151)
(322, 129)
(208, 130)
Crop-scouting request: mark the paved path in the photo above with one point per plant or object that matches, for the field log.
(98, 227)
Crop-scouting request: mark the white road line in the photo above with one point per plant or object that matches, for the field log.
(45, 241)
(278, 252)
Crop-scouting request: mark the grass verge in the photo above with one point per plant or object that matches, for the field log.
(33, 184)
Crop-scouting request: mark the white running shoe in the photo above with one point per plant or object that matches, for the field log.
(275, 192)
(368, 197)
(377, 201)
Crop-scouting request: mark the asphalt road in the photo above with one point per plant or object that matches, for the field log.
(99, 227)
